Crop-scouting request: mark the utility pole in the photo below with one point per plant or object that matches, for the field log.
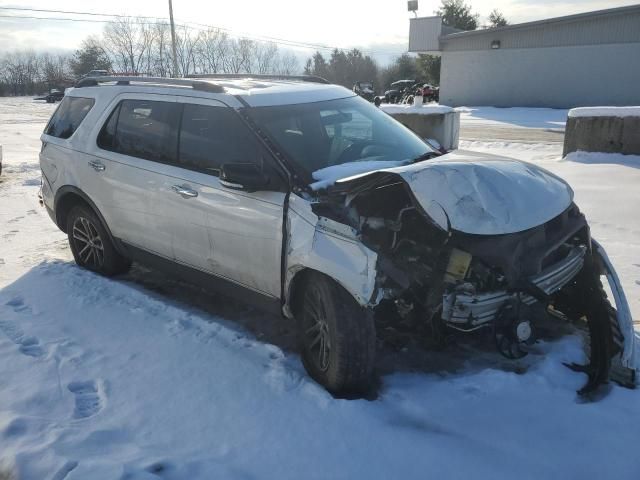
(173, 41)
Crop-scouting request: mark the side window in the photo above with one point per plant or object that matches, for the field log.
(143, 129)
(68, 116)
(107, 136)
(212, 136)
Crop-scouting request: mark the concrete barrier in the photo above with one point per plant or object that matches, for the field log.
(607, 130)
(437, 122)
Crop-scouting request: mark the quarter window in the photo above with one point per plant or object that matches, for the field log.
(68, 116)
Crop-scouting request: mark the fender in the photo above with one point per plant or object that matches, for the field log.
(70, 189)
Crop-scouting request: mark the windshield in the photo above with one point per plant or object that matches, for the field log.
(335, 132)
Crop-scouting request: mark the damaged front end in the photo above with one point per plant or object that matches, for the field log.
(512, 282)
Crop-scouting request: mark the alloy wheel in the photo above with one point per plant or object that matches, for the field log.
(316, 330)
(88, 243)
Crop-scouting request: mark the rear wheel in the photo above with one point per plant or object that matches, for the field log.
(336, 336)
(91, 245)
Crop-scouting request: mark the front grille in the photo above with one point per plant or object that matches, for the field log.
(559, 274)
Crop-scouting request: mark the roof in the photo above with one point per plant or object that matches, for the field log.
(603, 27)
(549, 21)
(253, 90)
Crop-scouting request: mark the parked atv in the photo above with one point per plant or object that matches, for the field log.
(400, 91)
(365, 90)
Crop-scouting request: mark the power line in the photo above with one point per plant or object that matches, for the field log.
(140, 20)
(74, 12)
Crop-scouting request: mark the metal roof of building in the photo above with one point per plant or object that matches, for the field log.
(547, 21)
(613, 25)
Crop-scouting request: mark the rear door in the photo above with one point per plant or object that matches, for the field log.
(137, 137)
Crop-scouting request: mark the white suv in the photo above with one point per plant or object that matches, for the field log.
(304, 199)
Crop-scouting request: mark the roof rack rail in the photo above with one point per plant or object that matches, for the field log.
(261, 76)
(182, 82)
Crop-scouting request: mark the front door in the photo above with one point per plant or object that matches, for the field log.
(233, 234)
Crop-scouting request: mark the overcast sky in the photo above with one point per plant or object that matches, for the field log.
(380, 27)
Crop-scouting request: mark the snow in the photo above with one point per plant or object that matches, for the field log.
(327, 176)
(423, 109)
(548, 118)
(604, 112)
(483, 194)
(594, 158)
(108, 379)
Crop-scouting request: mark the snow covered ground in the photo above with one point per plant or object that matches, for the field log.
(514, 117)
(109, 379)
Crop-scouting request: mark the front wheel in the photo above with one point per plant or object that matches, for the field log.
(90, 244)
(336, 336)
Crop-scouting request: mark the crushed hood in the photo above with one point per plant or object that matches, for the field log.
(476, 193)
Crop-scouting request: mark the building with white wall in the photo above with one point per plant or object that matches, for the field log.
(578, 60)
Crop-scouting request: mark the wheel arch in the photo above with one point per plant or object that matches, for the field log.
(296, 278)
(68, 197)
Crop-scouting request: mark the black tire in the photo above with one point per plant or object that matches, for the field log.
(586, 299)
(91, 245)
(336, 336)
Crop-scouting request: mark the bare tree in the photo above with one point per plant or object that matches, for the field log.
(187, 46)
(233, 61)
(128, 40)
(287, 64)
(54, 69)
(266, 56)
(20, 72)
(213, 50)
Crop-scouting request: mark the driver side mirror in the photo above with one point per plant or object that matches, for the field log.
(247, 177)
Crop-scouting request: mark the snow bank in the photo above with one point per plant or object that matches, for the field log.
(620, 112)
(428, 109)
(604, 158)
(327, 176)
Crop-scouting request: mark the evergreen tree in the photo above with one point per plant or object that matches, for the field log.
(457, 14)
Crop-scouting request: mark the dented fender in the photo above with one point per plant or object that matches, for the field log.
(329, 247)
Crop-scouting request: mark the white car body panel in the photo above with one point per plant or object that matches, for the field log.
(330, 248)
(483, 194)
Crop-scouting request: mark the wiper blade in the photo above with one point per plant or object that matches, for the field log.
(425, 156)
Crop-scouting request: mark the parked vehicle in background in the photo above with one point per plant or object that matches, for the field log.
(96, 73)
(365, 90)
(53, 96)
(304, 199)
(428, 92)
(399, 90)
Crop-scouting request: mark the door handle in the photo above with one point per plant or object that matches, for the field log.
(97, 166)
(184, 191)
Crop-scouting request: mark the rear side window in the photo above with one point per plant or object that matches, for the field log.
(143, 129)
(212, 136)
(68, 116)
